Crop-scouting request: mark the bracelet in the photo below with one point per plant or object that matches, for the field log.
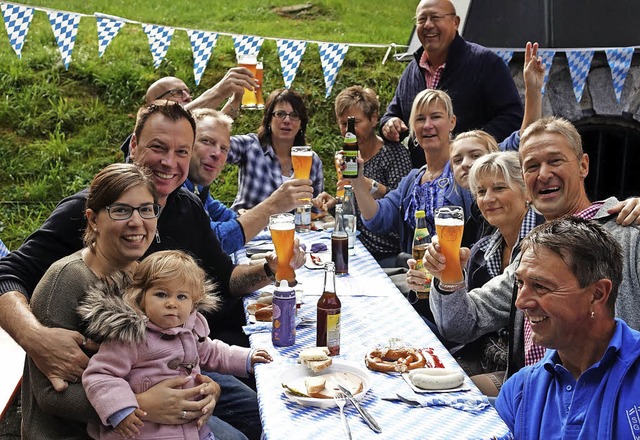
(268, 271)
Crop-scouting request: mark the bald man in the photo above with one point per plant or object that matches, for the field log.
(231, 86)
(482, 90)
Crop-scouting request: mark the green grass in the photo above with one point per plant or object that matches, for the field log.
(59, 127)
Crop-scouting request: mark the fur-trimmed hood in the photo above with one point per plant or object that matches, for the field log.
(108, 317)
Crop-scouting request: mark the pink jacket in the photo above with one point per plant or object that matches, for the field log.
(121, 368)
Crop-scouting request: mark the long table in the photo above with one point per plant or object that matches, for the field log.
(373, 312)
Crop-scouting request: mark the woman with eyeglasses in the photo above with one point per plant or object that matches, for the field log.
(264, 157)
(122, 213)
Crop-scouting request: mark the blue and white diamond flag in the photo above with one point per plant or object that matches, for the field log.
(17, 19)
(290, 53)
(202, 44)
(108, 28)
(579, 65)
(331, 56)
(65, 29)
(247, 44)
(159, 40)
(547, 59)
(3, 249)
(505, 54)
(619, 63)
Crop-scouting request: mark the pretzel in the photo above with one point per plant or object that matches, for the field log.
(390, 360)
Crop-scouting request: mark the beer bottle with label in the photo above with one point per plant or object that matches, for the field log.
(340, 244)
(350, 150)
(328, 318)
(421, 240)
(349, 217)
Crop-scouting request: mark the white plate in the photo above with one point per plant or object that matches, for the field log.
(462, 387)
(325, 257)
(294, 377)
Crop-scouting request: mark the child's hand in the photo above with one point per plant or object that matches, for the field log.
(260, 356)
(128, 427)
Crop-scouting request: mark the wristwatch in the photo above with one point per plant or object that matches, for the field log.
(269, 272)
(374, 187)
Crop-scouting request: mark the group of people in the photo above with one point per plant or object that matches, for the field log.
(127, 292)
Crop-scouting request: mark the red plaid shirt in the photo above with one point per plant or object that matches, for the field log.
(431, 75)
(532, 352)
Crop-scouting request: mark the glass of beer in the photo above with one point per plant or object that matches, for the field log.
(301, 159)
(249, 97)
(259, 76)
(338, 160)
(449, 222)
(282, 232)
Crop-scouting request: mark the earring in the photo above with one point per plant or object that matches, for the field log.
(95, 229)
(269, 128)
(593, 315)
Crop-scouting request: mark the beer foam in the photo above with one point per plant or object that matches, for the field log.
(449, 221)
(302, 153)
(282, 227)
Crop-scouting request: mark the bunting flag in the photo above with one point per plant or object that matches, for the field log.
(619, 63)
(16, 20)
(547, 56)
(108, 28)
(159, 40)
(331, 56)
(290, 53)
(247, 44)
(579, 65)
(505, 54)
(65, 29)
(202, 45)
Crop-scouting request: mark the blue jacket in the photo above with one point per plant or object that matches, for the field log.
(605, 399)
(223, 220)
(479, 83)
(393, 207)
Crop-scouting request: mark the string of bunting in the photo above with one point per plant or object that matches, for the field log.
(17, 18)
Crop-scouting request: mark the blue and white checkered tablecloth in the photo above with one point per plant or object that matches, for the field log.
(372, 313)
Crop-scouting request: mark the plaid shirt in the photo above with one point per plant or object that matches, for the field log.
(533, 353)
(260, 173)
(431, 76)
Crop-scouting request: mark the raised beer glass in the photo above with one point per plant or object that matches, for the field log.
(259, 78)
(249, 97)
(282, 232)
(449, 222)
(338, 160)
(301, 159)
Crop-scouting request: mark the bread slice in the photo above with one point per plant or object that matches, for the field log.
(317, 366)
(314, 354)
(314, 384)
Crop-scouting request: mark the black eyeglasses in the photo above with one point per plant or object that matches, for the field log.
(176, 93)
(281, 114)
(434, 18)
(124, 212)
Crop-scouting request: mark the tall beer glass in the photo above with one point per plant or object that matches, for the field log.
(301, 158)
(449, 226)
(249, 97)
(338, 160)
(281, 227)
(259, 77)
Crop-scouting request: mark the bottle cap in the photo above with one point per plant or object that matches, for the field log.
(420, 214)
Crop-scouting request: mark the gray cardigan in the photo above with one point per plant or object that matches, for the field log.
(464, 317)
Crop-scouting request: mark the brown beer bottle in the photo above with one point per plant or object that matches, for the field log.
(329, 306)
(340, 244)
(350, 150)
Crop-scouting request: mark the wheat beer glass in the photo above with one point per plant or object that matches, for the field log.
(281, 227)
(449, 222)
(338, 160)
(249, 97)
(259, 77)
(301, 158)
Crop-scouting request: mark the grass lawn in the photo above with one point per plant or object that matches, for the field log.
(59, 127)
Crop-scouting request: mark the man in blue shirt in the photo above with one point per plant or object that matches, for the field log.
(586, 386)
(213, 137)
